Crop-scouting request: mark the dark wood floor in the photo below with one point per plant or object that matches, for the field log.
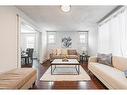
(94, 83)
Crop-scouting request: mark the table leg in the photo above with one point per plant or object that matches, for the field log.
(54, 68)
(25, 60)
(78, 69)
(51, 69)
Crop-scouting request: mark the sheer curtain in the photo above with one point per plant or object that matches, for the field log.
(123, 23)
(104, 38)
(113, 35)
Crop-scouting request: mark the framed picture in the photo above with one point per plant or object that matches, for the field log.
(66, 42)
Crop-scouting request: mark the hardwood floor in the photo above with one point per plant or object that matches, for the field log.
(94, 83)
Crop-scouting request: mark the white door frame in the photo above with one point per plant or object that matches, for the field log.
(18, 41)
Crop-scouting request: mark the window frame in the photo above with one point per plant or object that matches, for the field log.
(85, 39)
(51, 40)
(28, 43)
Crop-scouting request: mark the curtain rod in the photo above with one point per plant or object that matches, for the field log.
(110, 14)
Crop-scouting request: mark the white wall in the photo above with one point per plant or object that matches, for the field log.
(92, 40)
(43, 46)
(8, 36)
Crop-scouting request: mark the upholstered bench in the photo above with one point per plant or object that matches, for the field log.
(19, 78)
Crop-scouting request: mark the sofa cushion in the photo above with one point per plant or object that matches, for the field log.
(64, 52)
(58, 51)
(54, 51)
(72, 52)
(120, 63)
(112, 76)
(72, 56)
(58, 56)
(105, 59)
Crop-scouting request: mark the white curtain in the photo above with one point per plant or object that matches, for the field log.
(113, 35)
(104, 37)
(123, 23)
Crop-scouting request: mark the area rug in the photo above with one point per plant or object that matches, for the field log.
(83, 76)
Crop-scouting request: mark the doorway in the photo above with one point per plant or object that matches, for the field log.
(29, 43)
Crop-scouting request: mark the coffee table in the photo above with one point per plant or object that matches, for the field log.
(74, 62)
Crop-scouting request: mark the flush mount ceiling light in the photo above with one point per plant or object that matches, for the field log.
(65, 8)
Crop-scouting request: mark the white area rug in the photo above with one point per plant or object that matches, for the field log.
(83, 76)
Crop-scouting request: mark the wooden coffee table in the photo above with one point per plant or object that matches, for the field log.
(74, 62)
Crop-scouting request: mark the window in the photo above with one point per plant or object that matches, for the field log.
(30, 42)
(83, 37)
(113, 34)
(51, 37)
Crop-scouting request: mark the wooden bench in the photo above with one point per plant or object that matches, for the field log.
(19, 78)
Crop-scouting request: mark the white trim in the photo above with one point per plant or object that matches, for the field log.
(18, 42)
(26, 19)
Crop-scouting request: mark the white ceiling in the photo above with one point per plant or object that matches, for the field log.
(51, 18)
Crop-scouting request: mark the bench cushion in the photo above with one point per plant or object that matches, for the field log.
(16, 78)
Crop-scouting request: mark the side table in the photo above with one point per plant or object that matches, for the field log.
(84, 58)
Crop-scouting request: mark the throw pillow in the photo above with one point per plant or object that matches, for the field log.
(58, 51)
(54, 52)
(125, 72)
(64, 51)
(105, 59)
(72, 52)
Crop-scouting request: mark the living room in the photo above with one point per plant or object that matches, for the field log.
(67, 45)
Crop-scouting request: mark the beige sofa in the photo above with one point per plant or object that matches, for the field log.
(61, 53)
(111, 77)
(19, 78)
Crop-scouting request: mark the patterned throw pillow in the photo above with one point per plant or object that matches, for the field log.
(54, 52)
(64, 51)
(125, 72)
(72, 52)
(105, 59)
(58, 51)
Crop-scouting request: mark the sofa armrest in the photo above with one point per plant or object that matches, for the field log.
(92, 59)
(78, 56)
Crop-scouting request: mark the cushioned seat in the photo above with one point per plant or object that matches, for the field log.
(113, 76)
(72, 56)
(18, 78)
(58, 56)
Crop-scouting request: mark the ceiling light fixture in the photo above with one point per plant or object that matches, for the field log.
(65, 8)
